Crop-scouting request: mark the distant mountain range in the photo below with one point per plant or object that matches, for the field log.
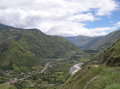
(95, 43)
(26, 47)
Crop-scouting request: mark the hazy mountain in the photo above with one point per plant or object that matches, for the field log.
(83, 41)
(25, 47)
(107, 40)
(5, 26)
(97, 43)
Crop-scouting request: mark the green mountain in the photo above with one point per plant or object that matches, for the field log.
(26, 47)
(101, 74)
(96, 43)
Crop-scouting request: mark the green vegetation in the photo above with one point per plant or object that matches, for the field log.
(55, 75)
(94, 78)
(107, 40)
(113, 86)
(101, 74)
(25, 48)
(30, 59)
(111, 56)
(95, 43)
(24, 53)
(83, 41)
(7, 86)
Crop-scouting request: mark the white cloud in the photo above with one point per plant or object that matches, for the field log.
(117, 24)
(101, 31)
(82, 17)
(76, 30)
(56, 17)
(106, 7)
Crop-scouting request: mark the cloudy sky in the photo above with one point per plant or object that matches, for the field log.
(63, 17)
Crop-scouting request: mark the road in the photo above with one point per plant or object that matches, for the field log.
(49, 64)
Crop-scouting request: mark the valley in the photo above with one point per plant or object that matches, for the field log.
(59, 44)
(30, 59)
(51, 75)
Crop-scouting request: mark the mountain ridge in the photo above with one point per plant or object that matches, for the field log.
(31, 44)
(97, 43)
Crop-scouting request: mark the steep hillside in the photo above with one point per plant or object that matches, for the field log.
(94, 78)
(96, 43)
(13, 55)
(101, 74)
(27, 47)
(111, 56)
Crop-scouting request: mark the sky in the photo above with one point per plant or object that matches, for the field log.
(63, 17)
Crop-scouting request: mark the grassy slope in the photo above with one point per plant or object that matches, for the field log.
(6, 86)
(95, 78)
(111, 56)
(101, 77)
